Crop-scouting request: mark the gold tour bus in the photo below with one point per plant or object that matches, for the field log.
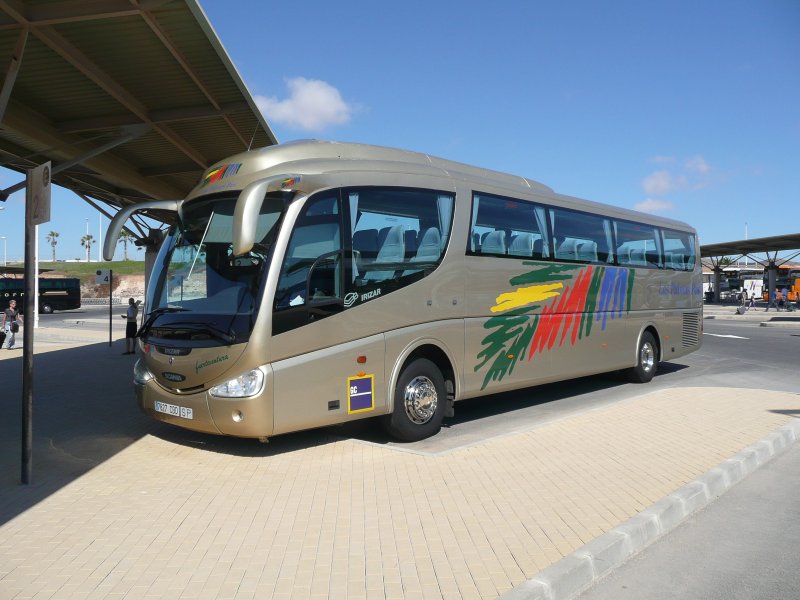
(314, 283)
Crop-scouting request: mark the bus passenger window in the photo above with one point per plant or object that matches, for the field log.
(399, 235)
(508, 227)
(637, 244)
(582, 237)
(679, 250)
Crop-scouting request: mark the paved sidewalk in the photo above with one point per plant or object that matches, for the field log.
(768, 318)
(123, 507)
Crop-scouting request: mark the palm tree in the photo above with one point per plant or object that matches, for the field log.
(125, 238)
(87, 242)
(52, 237)
(725, 261)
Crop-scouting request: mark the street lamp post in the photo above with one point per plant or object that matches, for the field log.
(5, 262)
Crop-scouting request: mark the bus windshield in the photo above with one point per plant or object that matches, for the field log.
(203, 292)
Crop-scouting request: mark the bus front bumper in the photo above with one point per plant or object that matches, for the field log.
(239, 417)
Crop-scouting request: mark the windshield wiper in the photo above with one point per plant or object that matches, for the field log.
(217, 333)
(159, 311)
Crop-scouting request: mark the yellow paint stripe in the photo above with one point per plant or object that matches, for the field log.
(527, 295)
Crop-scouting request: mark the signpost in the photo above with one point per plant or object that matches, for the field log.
(106, 276)
(37, 211)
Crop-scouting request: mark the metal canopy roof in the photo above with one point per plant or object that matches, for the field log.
(767, 244)
(148, 80)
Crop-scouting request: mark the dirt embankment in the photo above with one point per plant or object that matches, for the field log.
(126, 286)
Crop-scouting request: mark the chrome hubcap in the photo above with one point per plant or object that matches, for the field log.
(420, 400)
(647, 357)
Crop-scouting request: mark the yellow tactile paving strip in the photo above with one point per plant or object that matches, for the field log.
(355, 520)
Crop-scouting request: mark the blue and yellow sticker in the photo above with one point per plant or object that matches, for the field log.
(360, 393)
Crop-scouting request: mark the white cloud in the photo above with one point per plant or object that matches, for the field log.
(313, 105)
(662, 182)
(654, 206)
(697, 164)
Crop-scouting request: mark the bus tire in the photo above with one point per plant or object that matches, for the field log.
(646, 360)
(47, 309)
(420, 401)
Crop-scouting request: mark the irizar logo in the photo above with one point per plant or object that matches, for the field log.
(350, 299)
(353, 297)
(371, 295)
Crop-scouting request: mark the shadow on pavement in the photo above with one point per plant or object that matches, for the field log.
(84, 412)
(549, 397)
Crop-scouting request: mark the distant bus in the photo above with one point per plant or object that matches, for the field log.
(54, 293)
(736, 280)
(787, 277)
(315, 283)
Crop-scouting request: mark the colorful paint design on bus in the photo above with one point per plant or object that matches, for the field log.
(551, 304)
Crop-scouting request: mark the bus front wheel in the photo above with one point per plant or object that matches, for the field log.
(420, 400)
(647, 360)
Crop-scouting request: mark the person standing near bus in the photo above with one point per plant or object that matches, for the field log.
(130, 327)
(11, 321)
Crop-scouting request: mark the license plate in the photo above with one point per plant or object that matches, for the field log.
(174, 411)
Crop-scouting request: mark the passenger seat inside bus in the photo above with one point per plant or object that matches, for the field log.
(521, 245)
(587, 251)
(568, 250)
(430, 246)
(637, 258)
(430, 249)
(674, 261)
(392, 251)
(494, 243)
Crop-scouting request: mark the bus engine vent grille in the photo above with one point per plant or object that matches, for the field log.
(690, 335)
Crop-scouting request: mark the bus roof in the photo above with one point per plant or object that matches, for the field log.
(317, 157)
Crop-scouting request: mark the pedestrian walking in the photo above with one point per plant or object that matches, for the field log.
(10, 325)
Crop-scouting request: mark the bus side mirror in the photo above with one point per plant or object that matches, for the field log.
(115, 227)
(245, 216)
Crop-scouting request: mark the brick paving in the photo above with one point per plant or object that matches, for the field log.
(172, 514)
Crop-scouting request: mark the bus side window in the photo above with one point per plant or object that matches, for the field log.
(317, 233)
(399, 235)
(507, 227)
(680, 247)
(638, 245)
(584, 237)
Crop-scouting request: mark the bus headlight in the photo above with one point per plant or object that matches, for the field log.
(247, 384)
(141, 374)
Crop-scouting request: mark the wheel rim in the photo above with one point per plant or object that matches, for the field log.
(647, 357)
(420, 400)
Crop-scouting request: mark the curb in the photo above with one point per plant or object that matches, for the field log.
(576, 572)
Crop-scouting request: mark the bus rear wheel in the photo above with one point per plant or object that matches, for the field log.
(647, 360)
(47, 309)
(420, 399)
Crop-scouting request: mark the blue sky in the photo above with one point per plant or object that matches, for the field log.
(684, 109)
